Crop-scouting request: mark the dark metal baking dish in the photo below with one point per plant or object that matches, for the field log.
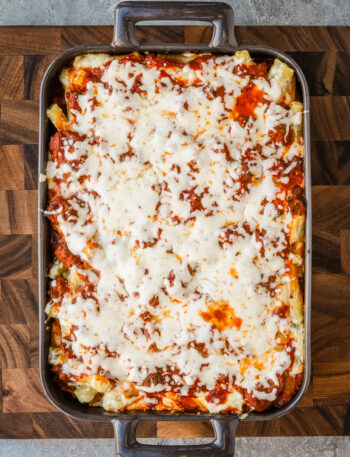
(127, 14)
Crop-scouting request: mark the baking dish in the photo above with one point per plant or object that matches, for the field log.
(223, 41)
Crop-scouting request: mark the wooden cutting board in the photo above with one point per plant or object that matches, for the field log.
(323, 53)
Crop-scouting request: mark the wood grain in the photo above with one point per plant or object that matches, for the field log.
(11, 167)
(11, 78)
(16, 425)
(300, 38)
(14, 346)
(19, 212)
(30, 157)
(331, 383)
(325, 252)
(330, 127)
(19, 122)
(16, 256)
(56, 425)
(75, 36)
(331, 390)
(323, 54)
(22, 392)
(330, 162)
(319, 67)
(264, 428)
(308, 421)
(330, 316)
(19, 301)
(33, 345)
(34, 68)
(345, 251)
(341, 86)
(21, 41)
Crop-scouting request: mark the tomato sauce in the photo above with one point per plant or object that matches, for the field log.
(188, 403)
(67, 211)
(280, 135)
(56, 148)
(296, 175)
(256, 403)
(221, 316)
(194, 199)
(123, 156)
(255, 71)
(197, 63)
(72, 100)
(282, 311)
(136, 87)
(88, 290)
(227, 237)
(154, 301)
(225, 150)
(218, 395)
(135, 57)
(153, 61)
(64, 255)
(294, 188)
(200, 347)
(246, 103)
(95, 74)
(60, 288)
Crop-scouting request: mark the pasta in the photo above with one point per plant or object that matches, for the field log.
(176, 199)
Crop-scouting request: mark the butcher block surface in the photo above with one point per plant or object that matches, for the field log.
(324, 55)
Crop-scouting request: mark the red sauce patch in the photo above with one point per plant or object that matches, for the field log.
(218, 396)
(56, 148)
(253, 71)
(221, 316)
(282, 311)
(193, 166)
(136, 87)
(287, 387)
(279, 135)
(66, 210)
(154, 301)
(200, 347)
(246, 103)
(135, 57)
(95, 74)
(60, 288)
(72, 99)
(129, 154)
(197, 63)
(64, 255)
(227, 237)
(171, 278)
(88, 290)
(256, 403)
(225, 150)
(153, 61)
(194, 199)
(296, 175)
(146, 316)
(188, 403)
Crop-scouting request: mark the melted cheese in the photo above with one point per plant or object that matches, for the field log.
(167, 215)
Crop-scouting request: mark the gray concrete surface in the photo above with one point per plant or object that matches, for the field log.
(246, 447)
(100, 12)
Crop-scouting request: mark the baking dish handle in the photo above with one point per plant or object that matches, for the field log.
(222, 446)
(219, 14)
